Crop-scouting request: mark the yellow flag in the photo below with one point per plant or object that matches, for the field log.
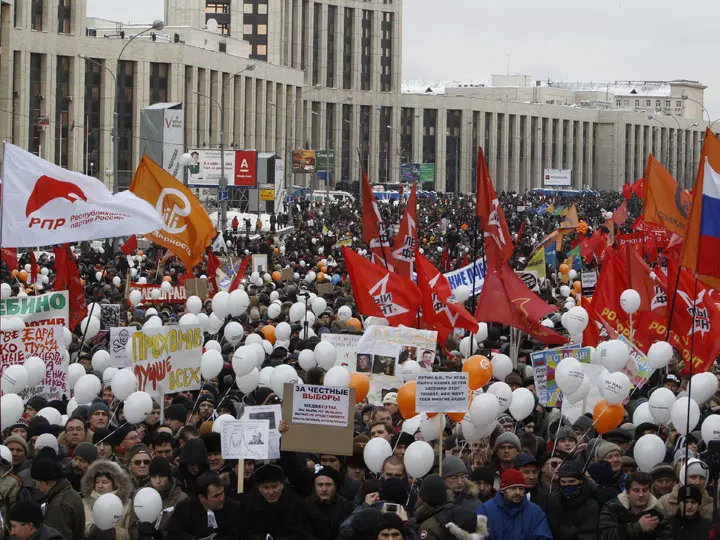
(188, 229)
(537, 263)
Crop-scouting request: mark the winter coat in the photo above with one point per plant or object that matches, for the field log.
(283, 520)
(468, 497)
(64, 510)
(524, 521)
(9, 489)
(46, 533)
(192, 452)
(669, 503)
(575, 518)
(189, 521)
(170, 499)
(123, 489)
(450, 522)
(617, 522)
(695, 527)
(324, 519)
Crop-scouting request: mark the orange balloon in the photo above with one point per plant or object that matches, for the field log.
(140, 252)
(577, 286)
(361, 384)
(607, 417)
(564, 268)
(276, 251)
(406, 399)
(167, 278)
(23, 275)
(479, 369)
(15, 273)
(276, 275)
(353, 323)
(269, 332)
(323, 269)
(320, 276)
(456, 416)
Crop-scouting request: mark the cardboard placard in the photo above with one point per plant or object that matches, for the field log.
(120, 336)
(317, 438)
(109, 315)
(320, 405)
(286, 274)
(259, 263)
(441, 392)
(197, 287)
(324, 289)
(346, 351)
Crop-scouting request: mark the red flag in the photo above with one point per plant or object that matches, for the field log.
(375, 234)
(406, 239)
(465, 261)
(130, 245)
(498, 245)
(445, 260)
(380, 292)
(586, 248)
(638, 188)
(439, 305)
(627, 191)
(507, 300)
(592, 332)
(212, 267)
(240, 273)
(621, 214)
(9, 255)
(68, 277)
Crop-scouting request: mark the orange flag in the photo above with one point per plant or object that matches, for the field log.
(187, 228)
(666, 203)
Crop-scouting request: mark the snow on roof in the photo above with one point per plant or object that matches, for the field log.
(619, 88)
(432, 87)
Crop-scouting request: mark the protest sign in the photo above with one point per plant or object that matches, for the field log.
(109, 315)
(50, 308)
(381, 384)
(286, 274)
(639, 370)
(544, 364)
(245, 439)
(320, 405)
(346, 351)
(197, 287)
(465, 276)
(273, 415)
(441, 392)
(167, 359)
(588, 280)
(119, 338)
(259, 263)
(46, 342)
(530, 278)
(324, 289)
(387, 347)
(318, 438)
(154, 294)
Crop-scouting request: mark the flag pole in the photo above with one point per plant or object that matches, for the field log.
(475, 261)
(692, 352)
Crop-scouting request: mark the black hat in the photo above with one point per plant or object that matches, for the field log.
(394, 490)
(118, 436)
(86, 451)
(26, 511)
(177, 412)
(690, 493)
(663, 470)
(483, 474)
(207, 398)
(402, 438)
(39, 429)
(330, 473)
(356, 460)
(618, 434)
(37, 402)
(389, 520)
(212, 443)
(267, 474)
(46, 466)
(160, 466)
(525, 459)
(433, 490)
(193, 452)
(571, 469)
(99, 406)
(100, 435)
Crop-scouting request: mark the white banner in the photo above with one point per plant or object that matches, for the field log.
(465, 276)
(385, 348)
(441, 392)
(173, 141)
(557, 177)
(120, 336)
(43, 204)
(320, 405)
(50, 308)
(346, 351)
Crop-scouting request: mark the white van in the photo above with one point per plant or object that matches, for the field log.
(320, 196)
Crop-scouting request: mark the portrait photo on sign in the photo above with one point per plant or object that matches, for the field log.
(364, 363)
(408, 352)
(427, 357)
(384, 365)
(265, 415)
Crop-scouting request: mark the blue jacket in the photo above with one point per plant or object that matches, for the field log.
(524, 521)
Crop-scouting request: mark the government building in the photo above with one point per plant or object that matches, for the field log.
(323, 75)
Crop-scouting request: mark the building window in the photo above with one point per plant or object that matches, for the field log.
(159, 82)
(261, 50)
(667, 103)
(62, 109)
(366, 50)
(36, 15)
(248, 29)
(648, 103)
(385, 144)
(637, 102)
(346, 149)
(331, 42)
(36, 98)
(428, 149)
(317, 17)
(386, 52)
(217, 7)
(365, 121)
(262, 9)
(658, 103)
(618, 103)
(262, 29)
(64, 16)
(452, 155)
(248, 8)
(93, 104)
(348, 27)
(126, 113)
(255, 28)
(407, 121)
(678, 104)
(626, 102)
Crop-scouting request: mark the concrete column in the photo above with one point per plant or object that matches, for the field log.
(395, 134)
(465, 179)
(355, 130)
(502, 182)
(569, 144)
(309, 65)
(639, 155)
(357, 50)
(297, 33)
(374, 151)
(191, 106)
(417, 137)
(441, 150)
(579, 166)
(107, 100)
(514, 164)
(260, 106)
(525, 162)
(590, 163)
(322, 57)
(536, 179)
(20, 134)
(76, 144)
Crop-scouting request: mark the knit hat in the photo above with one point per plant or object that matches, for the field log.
(452, 465)
(193, 452)
(571, 469)
(389, 520)
(433, 491)
(268, 474)
(483, 474)
(99, 406)
(176, 412)
(46, 466)
(695, 467)
(511, 478)
(137, 449)
(605, 448)
(207, 398)
(117, 436)
(690, 493)
(46, 440)
(160, 466)
(507, 438)
(566, 432)
(390, 398)
(514, 378)
(394, 490)
(400, 439)
(37, 402)
(601, 473)
(330, 473)
(586, 425)
(26, 511)
(17, 439)
(86, 451)
(663, 470)
(212, 442)
(100, 435)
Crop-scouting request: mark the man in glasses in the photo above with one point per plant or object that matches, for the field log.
(139, 466)
(455, 474)
(548, 471)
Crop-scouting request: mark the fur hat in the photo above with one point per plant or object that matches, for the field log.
(433, 491)
(212, 442)
(268, 474)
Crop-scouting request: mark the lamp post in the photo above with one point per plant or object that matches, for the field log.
(688, 98)
(185, 160)
(222, 188)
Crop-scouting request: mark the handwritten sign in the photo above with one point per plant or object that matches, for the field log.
(345, 350)
(48, 309)
(273, 415)
(639, 370)
(385, 348)
(119, 339)
(245, 439)
(154, 294)
(320, 405)
(45, 342)
(167, 360)
(544, 364)
(441, 392)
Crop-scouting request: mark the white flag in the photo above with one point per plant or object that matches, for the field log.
(43, 204)
(219, 243)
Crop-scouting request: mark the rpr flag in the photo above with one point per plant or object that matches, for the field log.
(43, 204)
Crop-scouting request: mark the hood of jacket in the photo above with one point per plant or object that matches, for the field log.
(123, 488)
(481, 530)
(625, 501)
(463, 524)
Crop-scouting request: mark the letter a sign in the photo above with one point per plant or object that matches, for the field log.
(245, 169)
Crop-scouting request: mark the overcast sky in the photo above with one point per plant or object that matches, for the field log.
(557, 39)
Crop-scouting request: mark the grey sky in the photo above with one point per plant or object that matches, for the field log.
(560, 39)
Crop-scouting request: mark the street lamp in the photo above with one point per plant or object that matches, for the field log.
(185, 160)
(684, 97)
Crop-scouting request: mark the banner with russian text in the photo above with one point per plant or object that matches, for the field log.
(468, 275)
(45, 309)
(155, 294)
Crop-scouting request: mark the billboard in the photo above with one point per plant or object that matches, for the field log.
(427, 173)
(557, 177)
(205, 168)
(325, 160)
(162, 135)
(173, 141)
(245, 169)
(410, 172)
(304, 161)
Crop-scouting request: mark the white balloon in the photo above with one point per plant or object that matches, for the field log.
(155, 293)
(375, 321)
(661, 402)
(153, 323)
(75, 371)
(259, 349)
(133, 272)
(244, 360)
(375, 453)
(703, 386)
(465, 347)
(306, 359)
(410, 370)
(461, 293)
(135, 296)
(679, 415)
(309, 317)
(203, 320)
(616, 388)
(325, 355)
(484, 409)
(220, 420)
(614, 355)
(431, 427)
(14, 379)
(150, 312)
(248, 383)
(233, 333)
(572, 274)
(12, 409)
(67, 334)
(107, 376)
(569, 375)
(188, 319)
(265, 375)
(268, 348)
(238, 302)
(211, 364)
(337, 376)
(642, 414)
(36, 370)
(411, 425)
(630, 301)
(220, 305)
(503, 393)
(344, 313)
(419, 459)
(319, 305)
(98, 276)
(52, 415)
(565, 291)
(116, 281)
(165, 286)
(147, 504)
(13, 323)
(659, 354)
(214, 324)
(502, 366)
(87, 388)
(107, 511)
(576, 320)
(297, 312)
(101, 360)
(473, 433)
(253, 338)
(212, 344)
(72, 404)
(274, 311)
(94, 310)
(482, 333)
(5, 291)
(89, 327)
(283, 331)
(711, 428)
(649, 451)
(522, 404)
(282, 374)
(193, 304)
(581, 393)
(124, 383)
(137, 406)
